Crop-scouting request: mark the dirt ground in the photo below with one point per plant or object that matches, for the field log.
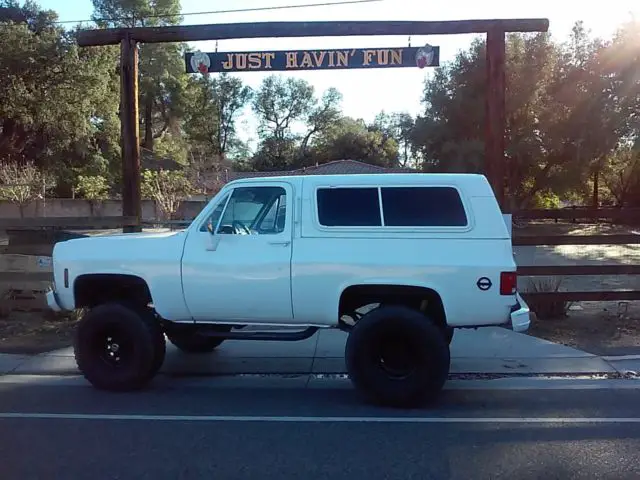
(601, 328)
(31, 333)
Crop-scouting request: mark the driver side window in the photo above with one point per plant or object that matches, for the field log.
(212, 221)
(247, 209)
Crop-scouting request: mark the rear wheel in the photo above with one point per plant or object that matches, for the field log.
(190, 341)
(448, 334)
(117, 348)
(396, 356)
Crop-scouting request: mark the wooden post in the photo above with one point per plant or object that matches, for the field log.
(495, 114)
(130, 133)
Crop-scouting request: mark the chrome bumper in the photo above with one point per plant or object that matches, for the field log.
(521, 315)
(52, 301)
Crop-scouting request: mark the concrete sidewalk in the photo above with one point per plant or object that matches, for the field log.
(485, 351)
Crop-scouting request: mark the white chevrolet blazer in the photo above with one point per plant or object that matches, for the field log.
(398, 261)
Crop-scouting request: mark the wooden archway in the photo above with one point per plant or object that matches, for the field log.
(128, 38)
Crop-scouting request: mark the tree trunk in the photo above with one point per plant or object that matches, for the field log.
(596, 189)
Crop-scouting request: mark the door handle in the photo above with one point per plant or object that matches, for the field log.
(284, 243)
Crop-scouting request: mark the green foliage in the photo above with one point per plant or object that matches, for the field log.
(573, 128)
(213, 105)
(162, 80)
(570, 106)
(43, 115)
(546, 200)
(621, 175)
(92, 187)
(167, 188)
(353, 139)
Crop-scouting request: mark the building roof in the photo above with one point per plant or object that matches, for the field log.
(337, 167)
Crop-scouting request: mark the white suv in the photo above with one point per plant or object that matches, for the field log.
(395, 260)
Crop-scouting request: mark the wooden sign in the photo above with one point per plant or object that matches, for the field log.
(284, 60)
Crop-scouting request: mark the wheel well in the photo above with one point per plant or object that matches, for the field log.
(424, 299)
(95, 289)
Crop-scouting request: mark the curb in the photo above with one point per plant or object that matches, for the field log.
(335, 382)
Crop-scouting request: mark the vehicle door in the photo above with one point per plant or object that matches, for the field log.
(237, 265)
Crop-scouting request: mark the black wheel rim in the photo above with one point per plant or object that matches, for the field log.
(113, 347)
(395, 355)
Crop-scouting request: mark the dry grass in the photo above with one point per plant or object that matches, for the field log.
(36, 332)
(547, 308)
(601, 328)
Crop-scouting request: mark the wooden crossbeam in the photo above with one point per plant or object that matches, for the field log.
(567, 270)
(540, 240)
(227, 31)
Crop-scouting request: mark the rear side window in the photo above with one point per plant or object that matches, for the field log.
(349, 207)
(423, 207)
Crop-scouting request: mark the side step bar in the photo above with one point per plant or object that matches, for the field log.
(264, 336)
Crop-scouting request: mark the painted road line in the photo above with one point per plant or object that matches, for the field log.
(323, 419)
(327, 383)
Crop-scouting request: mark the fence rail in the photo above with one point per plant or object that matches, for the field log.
(575, 270)
(588, 296)
(615, 214)
(84, 223)
(555, 240)
(35, 238)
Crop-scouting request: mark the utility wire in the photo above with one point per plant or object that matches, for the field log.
(257, 9)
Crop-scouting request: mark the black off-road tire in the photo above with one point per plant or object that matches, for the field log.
(160, 343)
(139, 351)
(448, 334)
(189, 341)
(414, 372)
(158, 335)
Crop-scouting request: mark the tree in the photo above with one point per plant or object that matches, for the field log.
(167, 188)
(565, 114)
(42, 116)
(92, 187)
(162, 76)
(354, 140)
(205, 174)
(22, 184)
(279, 103)
(321, 118)
(214, 104)
(621, 175)
(291, 119)
(399, 126)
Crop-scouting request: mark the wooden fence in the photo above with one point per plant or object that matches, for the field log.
(25, 259)
(575, 214)
(573, 270)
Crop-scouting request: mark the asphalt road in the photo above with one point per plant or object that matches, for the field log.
(183, 429)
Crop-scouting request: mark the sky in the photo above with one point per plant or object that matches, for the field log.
(368, 92)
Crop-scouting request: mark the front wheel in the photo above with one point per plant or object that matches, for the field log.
(189, 341)
(117, 348)
(397, 356)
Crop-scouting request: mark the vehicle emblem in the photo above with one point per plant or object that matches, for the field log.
(484, 283)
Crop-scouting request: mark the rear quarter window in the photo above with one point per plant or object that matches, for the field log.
(423, 207)
(348, 207)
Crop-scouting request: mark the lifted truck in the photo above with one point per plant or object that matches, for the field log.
(419, 254)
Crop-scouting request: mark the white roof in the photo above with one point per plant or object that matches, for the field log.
(474, 184)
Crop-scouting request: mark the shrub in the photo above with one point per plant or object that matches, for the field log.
(547, 308)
